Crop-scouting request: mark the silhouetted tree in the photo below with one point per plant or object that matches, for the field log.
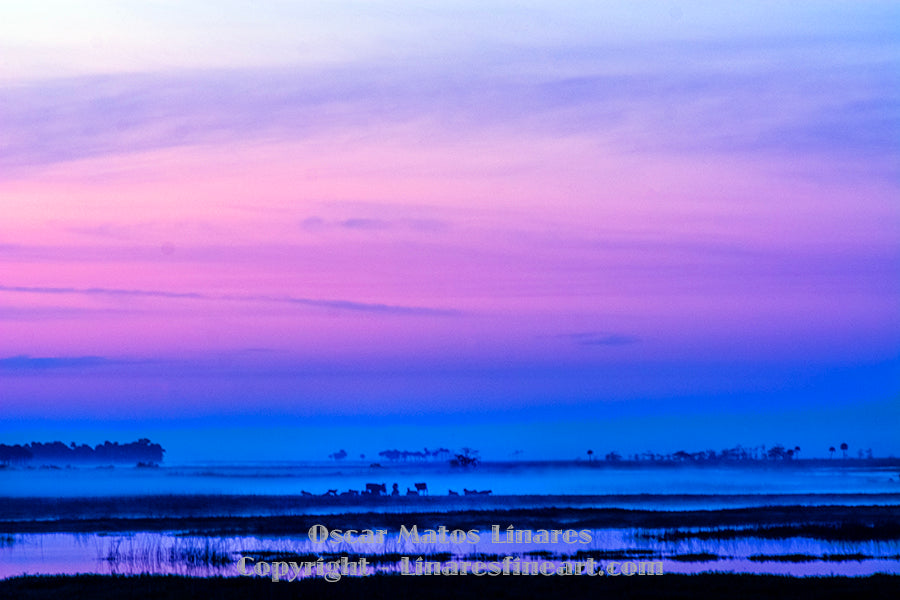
(14, 454)
(844, 448)
(777, 451)
(590, 454)
(57, 453)
(468, 458)
(831, 452)
(425, 454)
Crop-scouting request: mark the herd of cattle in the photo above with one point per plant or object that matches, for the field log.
(380, 489)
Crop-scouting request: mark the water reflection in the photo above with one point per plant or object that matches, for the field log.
(171, 553)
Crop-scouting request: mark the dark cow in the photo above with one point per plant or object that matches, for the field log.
(376, 489)
(422, 488)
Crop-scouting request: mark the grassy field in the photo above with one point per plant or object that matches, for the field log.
(731, 587)
(823, 522)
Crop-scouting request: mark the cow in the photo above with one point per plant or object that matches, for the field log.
(422, 488)
(452, 493)
(476, 492)
(376, 489)
(305, 493)
(410, 492)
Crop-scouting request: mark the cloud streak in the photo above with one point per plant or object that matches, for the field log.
(329, 304)
(25, 363)
(594, 338)
(316, 223)
(699, 107)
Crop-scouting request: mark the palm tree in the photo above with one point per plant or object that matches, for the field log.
(844, 448)
(590, 455)
(797, 451)
(831, 450)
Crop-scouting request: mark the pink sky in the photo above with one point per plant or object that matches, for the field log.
(708, 188)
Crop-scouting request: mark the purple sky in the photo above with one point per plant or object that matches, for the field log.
(638, 227)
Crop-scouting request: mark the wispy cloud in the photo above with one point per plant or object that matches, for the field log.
(316, 223)
(333, 304)
(43, 363)
(44, 313)
(601, 338)
(364, 224)
(714, 101)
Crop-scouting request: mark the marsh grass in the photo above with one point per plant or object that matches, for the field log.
(486, 557)
(796, 558)
(696, 557)
(208, 554)
(724, 586)
(612, 554)
(842, 557)
(792, 558)
(148, 554)
(847, 532)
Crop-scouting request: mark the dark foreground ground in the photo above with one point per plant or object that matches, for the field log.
(732, 587)
(848, 523)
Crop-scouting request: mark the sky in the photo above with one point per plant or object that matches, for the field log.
(270, 230)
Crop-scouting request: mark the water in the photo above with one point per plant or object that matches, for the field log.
(647, 487)
(167, 553)
(500, 478)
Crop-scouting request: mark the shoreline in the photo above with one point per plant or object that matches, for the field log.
(878, 522)
(162, 506)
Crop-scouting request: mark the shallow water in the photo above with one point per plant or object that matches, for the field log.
(500, 478)
(169, 553)
(666, 488)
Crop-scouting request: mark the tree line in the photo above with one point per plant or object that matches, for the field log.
(142, 450)
(424, 454)
(778, 452)
(467, 457)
